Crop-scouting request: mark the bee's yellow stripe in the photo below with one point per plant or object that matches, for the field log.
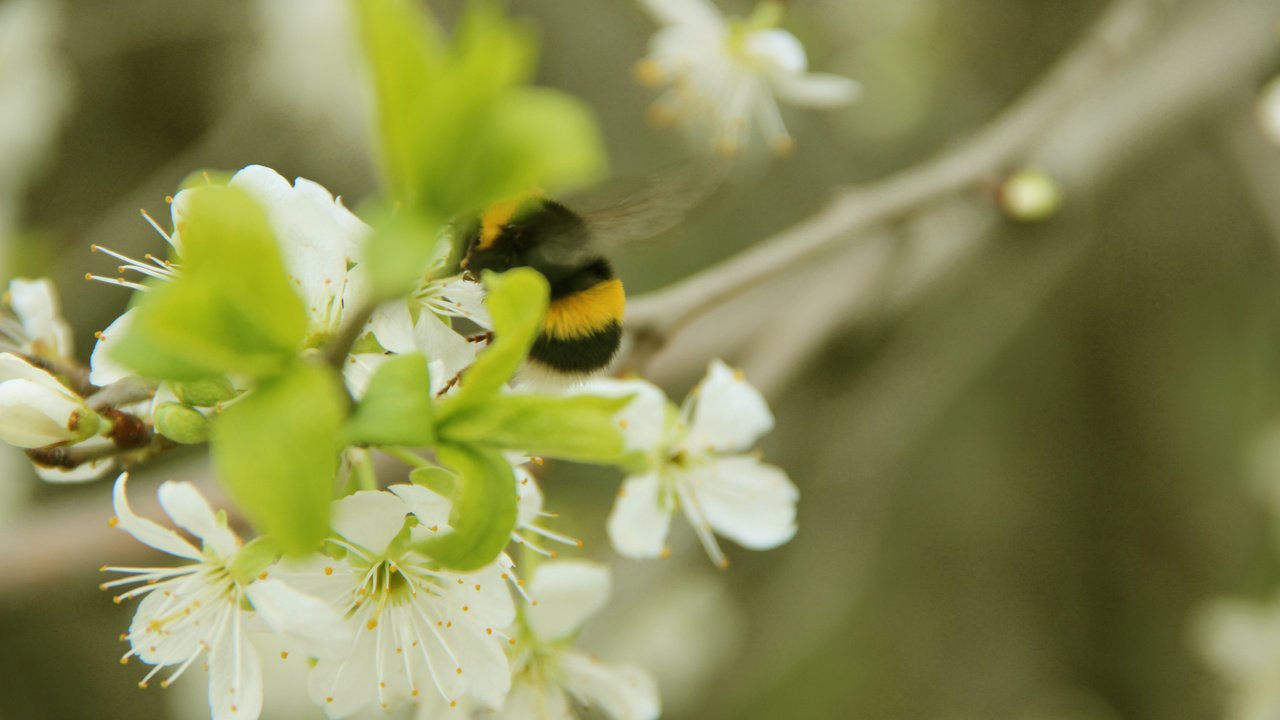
(498, 215)
(586, 311)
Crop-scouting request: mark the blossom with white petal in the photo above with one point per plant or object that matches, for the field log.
(424, 322)
(37, 410)
(698, 462)
(730, 72)
(40, 329)
(417, 628)
(1241, 642)
(550, 674)
(203, 608)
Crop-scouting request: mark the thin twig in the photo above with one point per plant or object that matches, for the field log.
(655, 317)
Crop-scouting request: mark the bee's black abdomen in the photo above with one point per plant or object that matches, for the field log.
(578, 355)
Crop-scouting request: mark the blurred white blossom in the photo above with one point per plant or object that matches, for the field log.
(35, 93)
(698, 463)
(550, 674)
(1241, 642)
(308, 66)
(729, 73)
(206, 608)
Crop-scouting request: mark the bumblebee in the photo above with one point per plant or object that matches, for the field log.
(583, 326)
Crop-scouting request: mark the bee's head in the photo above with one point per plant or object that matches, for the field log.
(496, 241)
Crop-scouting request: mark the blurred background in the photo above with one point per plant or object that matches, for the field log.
(1029, 453)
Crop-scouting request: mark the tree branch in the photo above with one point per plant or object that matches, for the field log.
(654, 318)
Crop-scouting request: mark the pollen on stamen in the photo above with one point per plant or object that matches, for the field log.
(142, 684)
(459, 671)
(284, 654)
(511, 641)
(111, 522)
(164, 685)
(98, 335)
(453, 703)
(466, 608)
(372, 624)
(477, 586)
(413, 692)
(329, 699)
(262, 575)
(124, 660)
(328, 571)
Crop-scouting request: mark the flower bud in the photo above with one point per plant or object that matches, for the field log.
(181, 423)
(37, 410)
(205, 393)
(1030, 195)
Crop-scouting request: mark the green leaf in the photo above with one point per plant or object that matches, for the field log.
(578, 427)
(276, 451)
(403, 47)
(252, 558)
(397, 406)
(231, 310)
(456, 129)
(517, 302)
(484, 508)
(438, 480)
(403, 246)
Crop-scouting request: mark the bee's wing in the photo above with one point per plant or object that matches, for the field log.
(626, 211)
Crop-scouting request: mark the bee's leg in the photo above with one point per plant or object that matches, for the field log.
(484, 337)
(449, 385)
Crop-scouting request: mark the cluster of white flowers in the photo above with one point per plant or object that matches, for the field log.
(724, 74)
(380, 621)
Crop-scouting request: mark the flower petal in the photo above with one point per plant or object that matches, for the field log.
(82, 473)
(623, 692)
(534, 701)
(188, 509)
(35, 302)
(392, 326)
(13, 367)
(483, 661)
(728, 414)
(103, 369)
(778, 50)
(567, 592)
(639, 521)
(442, 343)
(296, 615)
(431, 509)
(146, 531)
(235, 676)
(32, 415)
(816, 90)
(464, 299)
(370, 519)
(745, 500)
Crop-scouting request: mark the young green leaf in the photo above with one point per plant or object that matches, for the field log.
(231, 309)
(578, 427)
(397, 406)
(517, 302)
(276, 451)
(484, 508)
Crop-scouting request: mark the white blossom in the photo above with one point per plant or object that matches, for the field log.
(729, 73)
(204, 608)
(1241, 641)
(698, 462)
(39, 328)
(424, 322)
(417, 629)
(550, 674)
(35, 92)
(37, 410)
